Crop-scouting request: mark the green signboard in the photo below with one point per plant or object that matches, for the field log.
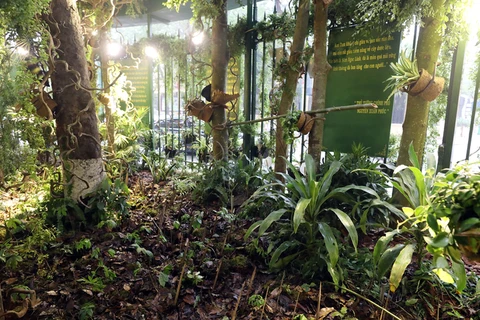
(140, 78)
(360, 65)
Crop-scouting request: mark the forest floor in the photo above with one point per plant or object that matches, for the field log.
(175, 259)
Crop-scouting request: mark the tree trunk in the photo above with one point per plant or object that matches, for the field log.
(220, 58)
(430, 39)
(291, 80)
(77, 130)
(321, 67)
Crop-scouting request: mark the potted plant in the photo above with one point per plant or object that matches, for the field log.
(172, 144)
(408, 78)
(203, 148)
(296, 121)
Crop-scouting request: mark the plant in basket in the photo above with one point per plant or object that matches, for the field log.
(408, 78)
(296, 121)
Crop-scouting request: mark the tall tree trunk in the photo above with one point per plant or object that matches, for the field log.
(321, 67)
(291, 80)
(220, 58)
(430, 40)
(77, 130)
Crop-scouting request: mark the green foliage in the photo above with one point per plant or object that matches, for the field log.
(256, 301)
(159, 167)
(9, 256)
(304, 227)
(224, 179)
(20, 18)
(442, 209)
(86, 311)
(289, 124)
(405, 73)
(109, 202)
(372, 210)
(93, 282)
(276, 27)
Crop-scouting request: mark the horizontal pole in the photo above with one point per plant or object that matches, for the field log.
(327, 110)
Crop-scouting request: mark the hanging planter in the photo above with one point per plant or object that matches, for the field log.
(427, 86)
(199, 109)
(305, 123)
(296, 121)
(408, 78)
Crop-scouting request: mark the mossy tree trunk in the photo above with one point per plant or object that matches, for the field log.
(77, 128)
(220, 59)
(291, 79)
(430, 39)
(320, 73)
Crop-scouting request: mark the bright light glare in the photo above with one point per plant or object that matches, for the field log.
(471, 16)
(21, 51)
(114, 49)
(94, 32)
(151, 52)
(197, 39)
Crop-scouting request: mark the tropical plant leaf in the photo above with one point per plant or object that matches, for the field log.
(327, 178)
(252, 228)
(299, 214)
(349, 225)
(382, 244)
(413, 156)
(333, 273)
(459, 271)
(401, 262)
(330, 242)
(271, 218)
(439, 241)
(387, 259)
(310, 166)
(444, 275)
(276, 262)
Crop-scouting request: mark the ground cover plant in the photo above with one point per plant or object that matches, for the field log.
(164, 254)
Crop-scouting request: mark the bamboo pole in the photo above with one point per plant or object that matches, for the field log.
(327, 110)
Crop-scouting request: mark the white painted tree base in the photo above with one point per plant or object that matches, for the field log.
(86, 175)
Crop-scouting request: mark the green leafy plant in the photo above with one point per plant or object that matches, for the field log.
(194, 277)
(305, 232)
(203, 148)
(371, 211)
(95, 283)
(86, 311)
(256, 301)
(160, 168)
(405, 74)
(83, 244)
(172, 144)
(289, 125)
(164, 274)
(435, 221)
(110, 201)
(223, 180)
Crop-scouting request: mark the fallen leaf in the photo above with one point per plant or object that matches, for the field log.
(89, 292)
(126, 287)
(52, 293)
(324, 312)
(275, 292)
(190, 299)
